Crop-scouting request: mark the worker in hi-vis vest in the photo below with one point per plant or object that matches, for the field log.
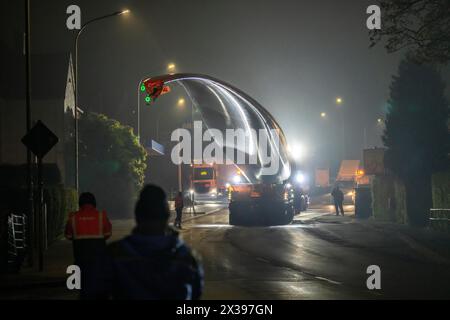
(88, 228)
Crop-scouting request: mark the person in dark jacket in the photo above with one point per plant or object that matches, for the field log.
(338, 197)
(179, 205)
(153, 262)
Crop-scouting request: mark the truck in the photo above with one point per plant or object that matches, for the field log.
(256, 196)
(265, 202)
(210, 181)
(350, 176)
(261, 204)
(348, 171)
(322, 178)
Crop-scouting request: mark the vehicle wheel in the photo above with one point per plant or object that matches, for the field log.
(235, 216)
(289, 215)
(232, 219)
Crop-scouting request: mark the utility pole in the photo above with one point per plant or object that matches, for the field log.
(29, 178)
(180, 186)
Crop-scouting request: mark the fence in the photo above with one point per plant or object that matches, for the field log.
(17, 240)
(440, 219)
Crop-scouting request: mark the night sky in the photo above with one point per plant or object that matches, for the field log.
(294, 57)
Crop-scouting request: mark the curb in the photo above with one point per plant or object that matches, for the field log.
(55, 283)
(204, 215)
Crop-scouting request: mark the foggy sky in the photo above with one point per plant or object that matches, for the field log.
(294, 57)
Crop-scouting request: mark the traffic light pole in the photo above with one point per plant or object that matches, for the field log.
(29, 179)
(41, 221)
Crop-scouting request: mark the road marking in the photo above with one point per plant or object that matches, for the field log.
(328, 280)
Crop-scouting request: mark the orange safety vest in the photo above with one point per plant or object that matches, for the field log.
(88, 223)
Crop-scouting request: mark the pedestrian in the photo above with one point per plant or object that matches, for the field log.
(88, 228)
(338, 197)
(153, 262)
(298, 201)
(179, 205)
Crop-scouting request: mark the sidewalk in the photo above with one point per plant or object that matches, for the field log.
(427, 244)
(51, 283)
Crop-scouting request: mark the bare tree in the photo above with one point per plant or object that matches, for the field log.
(421, 26)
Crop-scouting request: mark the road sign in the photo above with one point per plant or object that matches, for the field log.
(374, 161)
(155, 149)
(40, 140)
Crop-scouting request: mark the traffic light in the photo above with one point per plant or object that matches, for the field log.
(153, 88)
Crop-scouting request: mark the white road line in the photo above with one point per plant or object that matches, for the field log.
(328, 280)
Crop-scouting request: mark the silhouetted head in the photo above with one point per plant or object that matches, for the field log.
(87, 198)
(152, 207)
(180, 194)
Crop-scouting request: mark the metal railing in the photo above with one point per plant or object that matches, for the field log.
(440, 219)
(17, 241)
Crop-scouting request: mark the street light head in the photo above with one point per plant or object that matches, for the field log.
(124, 12)
(339, 100)
(297, 151)
(171, 67)
(323, 114)
(181, 102)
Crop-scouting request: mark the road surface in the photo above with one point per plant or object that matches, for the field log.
(318, 256)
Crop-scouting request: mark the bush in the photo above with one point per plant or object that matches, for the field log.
(112, 163)
(401, 214)
(59, 202)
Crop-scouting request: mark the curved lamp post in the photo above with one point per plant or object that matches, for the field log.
(83, 27)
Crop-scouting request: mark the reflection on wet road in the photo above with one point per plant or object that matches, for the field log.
(318, 256)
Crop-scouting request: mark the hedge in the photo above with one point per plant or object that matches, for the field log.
(388, 199)
(440, 184)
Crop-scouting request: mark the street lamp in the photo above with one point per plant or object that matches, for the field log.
(83, 27)
(181, 102)
(171, 67)
(323, 114)
(297, 151)
(339, 101)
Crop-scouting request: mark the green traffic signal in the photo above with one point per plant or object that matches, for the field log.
(148, 99)
(142, 88)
